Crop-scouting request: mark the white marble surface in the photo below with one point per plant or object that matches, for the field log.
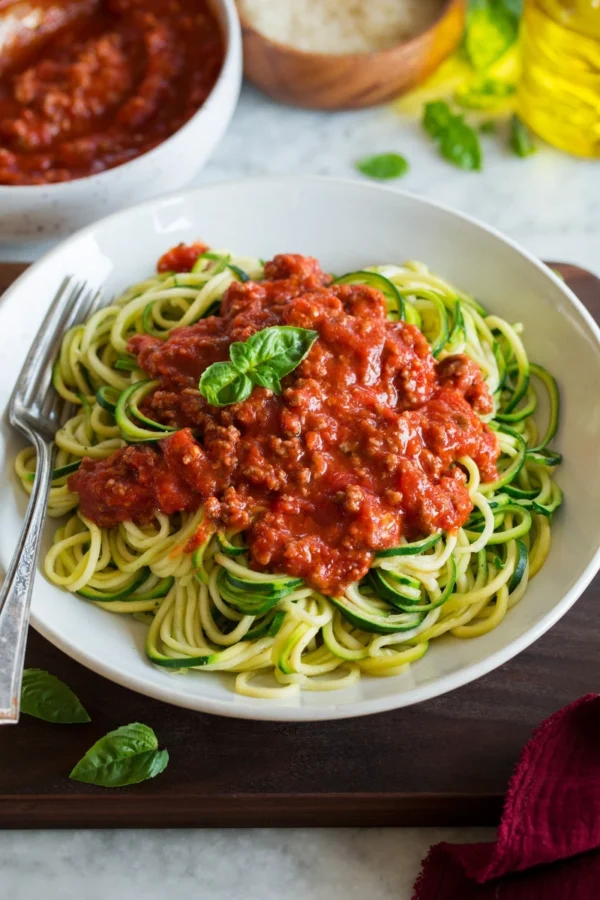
(298, 864)
(551, 204)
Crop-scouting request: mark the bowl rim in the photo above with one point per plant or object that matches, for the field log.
(447, 8)
(232, 38)
(428, 691)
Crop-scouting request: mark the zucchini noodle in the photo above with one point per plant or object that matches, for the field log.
(208, 610)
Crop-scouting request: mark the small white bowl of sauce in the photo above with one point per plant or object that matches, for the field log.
(107, 102)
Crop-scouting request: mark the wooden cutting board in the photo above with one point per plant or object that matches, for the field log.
(443, 762)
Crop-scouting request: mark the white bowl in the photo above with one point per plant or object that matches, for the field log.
(347, 226)
(57, 210)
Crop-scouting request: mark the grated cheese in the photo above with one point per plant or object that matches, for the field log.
(340, 26)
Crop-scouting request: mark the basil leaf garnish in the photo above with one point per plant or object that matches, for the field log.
(458, 142)
(384, 166)
(47, 697)
(263, 360)
(223, 384)
(264, 376)
(491, 29)
(437, 118)
(125, 756)
(281, 347)
(521, 141)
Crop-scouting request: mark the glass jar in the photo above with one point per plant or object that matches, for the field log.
(559, 92)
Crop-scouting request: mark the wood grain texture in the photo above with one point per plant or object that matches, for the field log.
(349, 81)
(443, 762)
(9, 272)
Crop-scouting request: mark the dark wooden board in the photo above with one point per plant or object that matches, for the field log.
(9, 272)
(443, 762)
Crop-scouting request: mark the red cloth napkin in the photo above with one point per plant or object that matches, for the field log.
(550, 825)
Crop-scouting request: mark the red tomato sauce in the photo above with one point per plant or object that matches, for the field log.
(100, 83)
(359, 450)
(180, 258)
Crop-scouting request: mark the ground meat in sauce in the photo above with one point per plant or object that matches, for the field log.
(180, 258)
(358, 451)
(102, 83)
(464, 374)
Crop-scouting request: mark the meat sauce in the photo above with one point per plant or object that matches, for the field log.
(359, 450)
(98, 82)
(180, 258)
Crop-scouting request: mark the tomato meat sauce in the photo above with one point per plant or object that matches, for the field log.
(180, 258)
(359, 450)
(97, 83)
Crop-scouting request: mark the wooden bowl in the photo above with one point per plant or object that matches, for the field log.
(352, 80)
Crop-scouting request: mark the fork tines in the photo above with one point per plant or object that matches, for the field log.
(71, 304)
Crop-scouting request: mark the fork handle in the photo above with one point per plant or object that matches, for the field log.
(15, 595)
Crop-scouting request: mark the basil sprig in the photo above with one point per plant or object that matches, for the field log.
(263, 360)
(47, 697)
(127, 755)
(222, 384)
(458, 142)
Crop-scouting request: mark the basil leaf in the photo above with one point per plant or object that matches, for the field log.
(47, 697)
(521, 141)
(384, 166)
(458, 142)
(483, 93)
(461, 147)
(222, 384)
(282, 347)
(437, 118)
(491, 29)
(264, 359)
(264, 376)
(125, 756)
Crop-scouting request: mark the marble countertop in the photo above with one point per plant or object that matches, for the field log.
(550, 203)
(298, 864)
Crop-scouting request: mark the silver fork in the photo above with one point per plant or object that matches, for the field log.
(35, 410)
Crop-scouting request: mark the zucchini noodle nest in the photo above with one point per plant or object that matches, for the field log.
(208, 609)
